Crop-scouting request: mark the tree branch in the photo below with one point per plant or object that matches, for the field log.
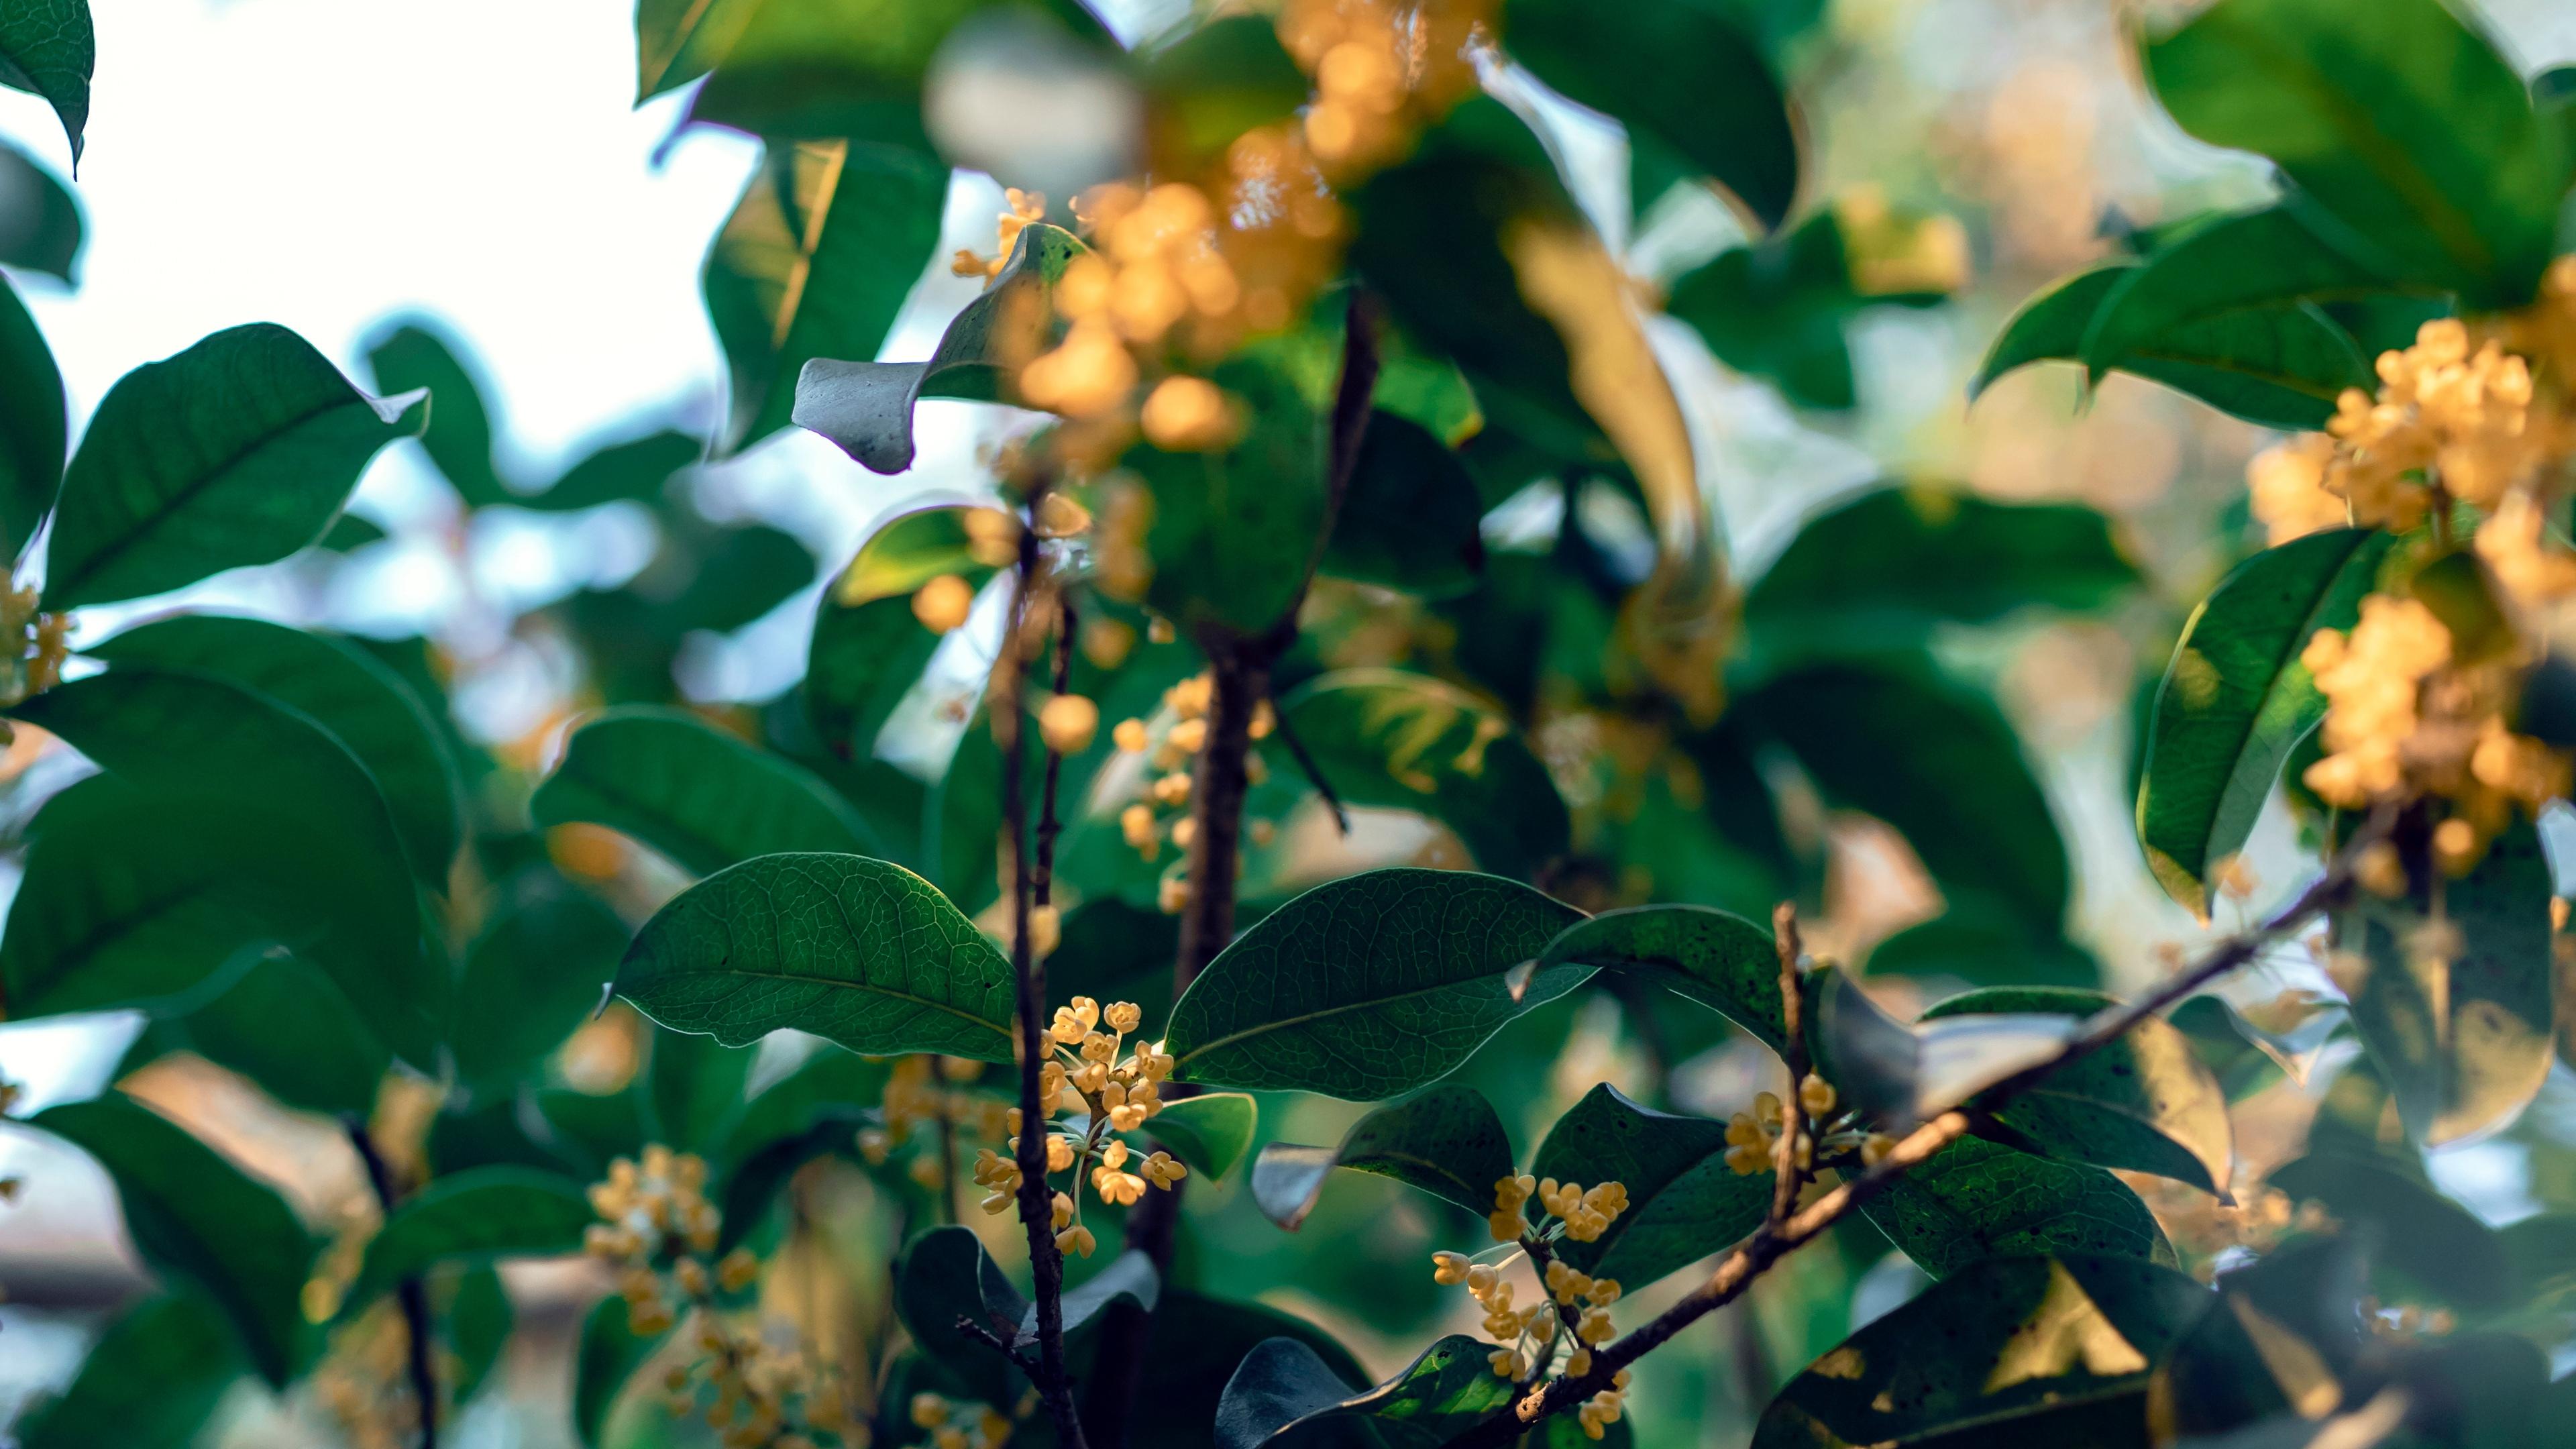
(1777, 1238)
(1000, 1345)
(1789, 1174)
(1050, 825)
(410, 1294)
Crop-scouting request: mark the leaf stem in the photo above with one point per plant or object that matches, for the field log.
(410, 1294)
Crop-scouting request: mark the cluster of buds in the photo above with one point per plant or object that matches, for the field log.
(924, 1091)
(1526, 1336)
(1168, 758)
(35, 649)
(1753, 1137)
(1383, 69)
(362, 1384)
(953, 1425)
(1115, 1094)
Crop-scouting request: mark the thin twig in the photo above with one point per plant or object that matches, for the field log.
(998, 1344)
(1306, 763)
(1789, 1174)
(1775, 1240)
(410, 1293)
(1037, 1199)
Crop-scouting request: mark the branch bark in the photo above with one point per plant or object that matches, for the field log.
(410, 1295)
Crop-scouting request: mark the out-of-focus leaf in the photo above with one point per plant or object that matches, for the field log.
(476, 1322)
(33, 425)
(239, 450)
(417, 354)
(1411, 517)
(698, 795)
(150, 1382)
(1410, 742)
(1130, 1277)
(47, 48)
(737, 574)
(609, 1355)
(1684, 1202)
(815, 262)
(192, 1213)
(868, 648)
(859, 951)
(945, 1275)
(1983, 943)
(40, 223)
(350, 532)
(635, 470)
(1975, 1200)
(677, 41)
(1193, 1348)
(693, 1086)
(1234, 531)
(545, 954)
(2432, 1244)
(342, 688)
(1209, 1133)
(284, 1025)
(2236, 699)
(1724, 962)
(1210, 83)
(1445, 1141)
(1368, 986)
(1283, 1389)
(473, 1217)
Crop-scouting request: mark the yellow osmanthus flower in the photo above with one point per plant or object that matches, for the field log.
(1383, 69)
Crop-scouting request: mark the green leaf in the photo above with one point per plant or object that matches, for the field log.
(238, 451)
(2403, 123)
(2145, 1103)
(342, 688)
(2017, 1350)
(608, 1356)
(677, 41)
(2197, 286)
(458, 438)
(476, 1322)
(150, 1382)
(866, 408)
(33, 424)
(1404, 741)
(2433, 1245)
(2236, 699)
(814, 262)
(635, 470)
(1897, 744)
(286, 1027)
(698, 795)
(1684, 1202)
(48, 48)
(1210, 82)
(869, 649)
(205, 749)
(1234, 532)
(1975, 1199)
(1209, 1132)
(1369, 986)
(192, 1213)
(40, 223)
(472, 1217)
(1977, 940)
(945, 1275)
(1445, 1141)
(2464, 1044)
(1411, 518)
(2281, 365)
(539, 967)
(1686, 74)
(1896, 562)
(1283, 1386)
(1129, 1277)
(2283, 1330)
(1194, 1346)
(858, 951)
(694, 1087)
(1724, 962)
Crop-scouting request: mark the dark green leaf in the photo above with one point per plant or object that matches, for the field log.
(1776, 309)
(47, 47)
(868, 648)
(40, 223)
(609, 1355)
(150, 1382)
(859, 951)
(33, 425)
(1684, 1202)
(285, 1026)
(1445, 1141)
(1209, 1132)
(1210, 82)
(473, 1217)
(1404, 741)
(545, 955)
(633, 470)
(694, 1087)
(1979, 941)
(1976, 1200)
(1724, 962)
(698, 795)
(1685, 73)
(325, 834)
(815, 262)
(350, 532)
(1129, 1277)
(2236, 699)
(192, 1213)
(2029, 1350)
(340, 687)
(738, 573)
(238, 451)
(2145, 1103)
(476, 1321)
(2400, 121)
(1410, 519)
(458, 438)
(1195, 1345)
(946, 1275)
(1368, 986)
(1283, 1385)
(2431, 1243)
(1234, 531)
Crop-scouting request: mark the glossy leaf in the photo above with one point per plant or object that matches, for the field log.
(239, 450)
(858, 951)
(1404, 741)
(2145, 1103)
(326, 834)
(32, 422)
(1129, 1278)
(458, 439)
(608, 1356)
(1209, 1132)
(2402, 123)
(698, 795)
(1368, 986)
(2435, 1245)
(1684, 1202)
(1194, 1346)
(1975, 1200)
(150, 1382)
(282, 1024)
(340, 687)
(194, 1214)
(478, 1216)
(1722, 961)
(538, 969)
(1283, 1386)
(1445, 1141)
(47, 47)
(815, 262)
(2039, 1350)
(2236, 699)
(1411, 517)
(945, 1275)
(40, 223)
(869, 649)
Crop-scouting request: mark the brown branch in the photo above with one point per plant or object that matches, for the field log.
(1788, 1173)
(998, 1344)
(1776, 1239)
(1050, 824)
(410, 1294)
(1037, 1199)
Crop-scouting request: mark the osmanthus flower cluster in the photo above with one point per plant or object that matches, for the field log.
(922, 1092)
(1113, 1094)
(955, 1425)
(1169, 745)
(659, 1232)
(34, 649)
(1528, 1336)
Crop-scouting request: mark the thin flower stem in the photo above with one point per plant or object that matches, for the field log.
(413, 1298)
